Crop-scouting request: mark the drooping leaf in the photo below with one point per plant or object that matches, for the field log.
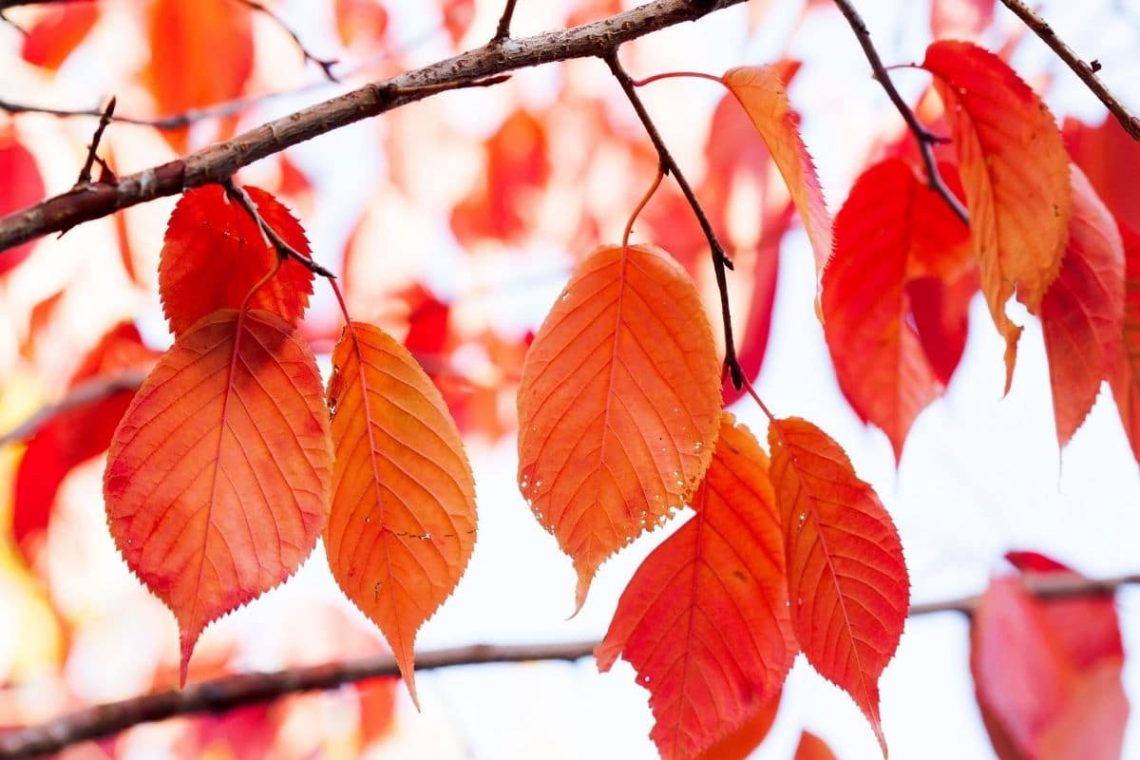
(890, 226)
(1126, 379)
(217, 480)
(811, 747)
(941, 313)
(705, 620)
(1082, 315)
(763, 93)
(619, 404)
(847, 580)
(214, 253)
(22, 186)
(1015, 174)
(402, 524)
(1110, 158)
(741, 743)
(57, 32)
(960, 19)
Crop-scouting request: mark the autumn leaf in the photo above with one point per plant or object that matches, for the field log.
(22, 186)
(1126, 379)
(890, 226)
(705, 620)
(57, 32)
(217, 480)
(941, 313)
(847, 580)
(811, 747)
(1015, 174)
(1110, 158)
(363, 21)
(762, 91)
(402, 523)
(960, 19)
(740, 743)
(1082, 315)
(619, 404)
(214, 253)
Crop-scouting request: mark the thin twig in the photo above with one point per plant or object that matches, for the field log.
(924, 137)
(284, 250)
(1086, 71)
(85, 393)
(93, 148)
(21, 30)
(720, 259)
(325, 64)
(503, 31)
(231, 692)
(217, 162)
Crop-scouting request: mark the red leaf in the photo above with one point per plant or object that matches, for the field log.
(1110, 157)
(402, 524)
(960, 19)
(214, 253)
(941, 315)
(364, 21)
(705, 619)
(217, 481)
(457, 17)
(1082, 316)
(890, 226)
(619, 404)
(1126, 379)
(847, 580)
(57, 32)
(811, 747)
(22, 186)
(740, 744)
(1015, 174)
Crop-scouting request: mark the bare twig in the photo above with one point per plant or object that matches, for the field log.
(1086, 71)
(217, 162)
(503, 31)
(4, 19)
(231, 692)
(325, 64)
(93, 390)
(284, 250)
(720, 259)
(93, 148)
(922, 135)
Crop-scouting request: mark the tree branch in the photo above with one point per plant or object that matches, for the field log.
(720, 259)
(922, 135)
(231, 692)
(1086, 71)
(215, 163)
(93, 390)
(325, 64)
(503, 31)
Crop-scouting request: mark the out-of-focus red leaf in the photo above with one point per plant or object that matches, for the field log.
(428, 319)
(1082, 315)
(891, 226)
(941, 315)
(960, 19)
(218, 477)
(1126, 379)
(518, 167)
(811, 747)
(705, 620)
(740, 743)
(847, 580)
(214, 253)
(619, 404)
(457, 17)
(57, 32)
(1015, 174)
(22, 186)
(1110, 158)
(361, 21)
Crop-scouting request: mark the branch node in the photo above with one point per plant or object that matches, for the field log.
(284, 250)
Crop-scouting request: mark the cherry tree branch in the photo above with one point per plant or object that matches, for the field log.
(1086, 71)
(217, 162)
(325, 64)
(924, 137)
(720, 259)
(231, 692)
(503, 31)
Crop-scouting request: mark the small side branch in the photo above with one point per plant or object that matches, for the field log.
(720, 259)
(325, 64)
(922, 135)
(1086, 71)
(503, 31)
(93, 148)
(284, 250)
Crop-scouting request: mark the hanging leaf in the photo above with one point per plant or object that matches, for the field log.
(1110, 158)
(619, 404)
(1015, 174)
(22, 186)
(763, 93)
(811, 747)
(1126, 379)
(1082, 315)
(941, 313)
(742, 742)
(890, 226)
(847, 580)
(705, 620)
(57, 32)
(214, 253)
(217, 480)
(402, 524)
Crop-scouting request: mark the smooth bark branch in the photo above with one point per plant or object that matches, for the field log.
(231, 692)
(1086, 71)
(325, 64)
(216, 162)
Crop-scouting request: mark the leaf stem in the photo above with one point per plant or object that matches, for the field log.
(677, 75)
(284, 250)
(756, 397)
(641, 205)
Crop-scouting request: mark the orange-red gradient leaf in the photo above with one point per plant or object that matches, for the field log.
(740, 744)
(214, 253)
(705, 620)
(402, 523)
(619, 404)
(1015, 174)
(1082, 316)
(217, 480)
(763, 93)
(57, 32)
(847, 580)
(1126, 379)
(811, 747)
(890, 225)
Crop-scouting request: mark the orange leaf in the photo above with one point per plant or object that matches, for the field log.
(1082, 315)
(363, 21)
(847, 580)
(58, 32)
(1126, 379)
(217, 479)
(1015, 174)
(811, 747)
(890, 226)
(402, 523)
(763, 93)
(619, 404)
(213, 253)
(22, 186)
(705, 620)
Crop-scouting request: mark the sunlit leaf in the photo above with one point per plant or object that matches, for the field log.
(1110, 158)
(1126, 379)
(740, 743)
